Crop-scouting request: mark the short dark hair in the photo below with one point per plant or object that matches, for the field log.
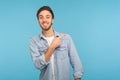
(45, 8)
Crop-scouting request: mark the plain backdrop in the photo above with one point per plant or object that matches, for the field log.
(94, 26)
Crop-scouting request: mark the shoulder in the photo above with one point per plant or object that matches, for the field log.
(34, 38)
(68, 36)
(59, 34)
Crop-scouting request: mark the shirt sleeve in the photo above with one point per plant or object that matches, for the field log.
(74, 59)
(38, 60)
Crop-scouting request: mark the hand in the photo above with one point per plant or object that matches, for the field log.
(77, 79)
(57, 41)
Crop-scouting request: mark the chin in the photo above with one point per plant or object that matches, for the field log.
(46, 29)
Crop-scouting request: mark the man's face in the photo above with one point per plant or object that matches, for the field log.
(45, 20)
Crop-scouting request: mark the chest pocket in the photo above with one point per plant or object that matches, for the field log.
(61, 52)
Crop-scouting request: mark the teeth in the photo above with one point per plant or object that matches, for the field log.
(45, 24)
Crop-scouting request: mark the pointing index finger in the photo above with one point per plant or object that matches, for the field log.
(61, 36)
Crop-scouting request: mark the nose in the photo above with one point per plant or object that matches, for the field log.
(44, 19)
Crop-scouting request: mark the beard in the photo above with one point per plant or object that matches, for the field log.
(46, 28)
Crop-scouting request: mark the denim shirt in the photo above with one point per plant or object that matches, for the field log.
(64, 55)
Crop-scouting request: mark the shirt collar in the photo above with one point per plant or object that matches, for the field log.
(56, 35)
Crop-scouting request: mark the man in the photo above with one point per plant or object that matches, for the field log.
(52, 51)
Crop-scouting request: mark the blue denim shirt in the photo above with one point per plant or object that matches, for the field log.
(64, 55)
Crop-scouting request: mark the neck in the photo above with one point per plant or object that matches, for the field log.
(48, 33)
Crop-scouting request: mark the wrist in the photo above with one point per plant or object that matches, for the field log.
(77, 79)
(52, 47)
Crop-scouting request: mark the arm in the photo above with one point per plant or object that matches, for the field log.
(77, 79)
(55, 43)
(41, 61)
(37, 58)
(49, 53)
(75, 60)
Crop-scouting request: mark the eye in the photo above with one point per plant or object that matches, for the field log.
(40, 17)
(48, 17)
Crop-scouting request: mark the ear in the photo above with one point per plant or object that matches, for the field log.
(52, 21)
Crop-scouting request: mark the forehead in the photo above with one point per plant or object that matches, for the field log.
(44, 12)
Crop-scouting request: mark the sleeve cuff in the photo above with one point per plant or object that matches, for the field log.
(43, 60)
(78, 74)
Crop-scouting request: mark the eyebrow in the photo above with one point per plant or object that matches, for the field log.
(42, 15)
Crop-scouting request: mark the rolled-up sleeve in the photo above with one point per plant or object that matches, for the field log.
(38, 59)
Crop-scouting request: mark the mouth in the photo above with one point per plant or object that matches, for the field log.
(44, 24)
